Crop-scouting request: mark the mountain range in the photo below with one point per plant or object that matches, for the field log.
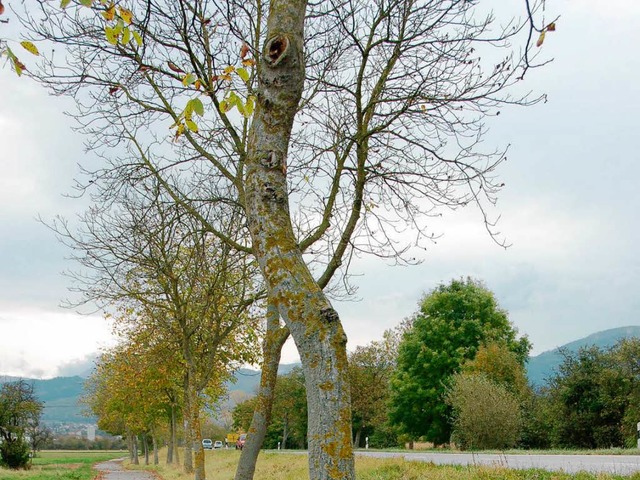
(61, 395)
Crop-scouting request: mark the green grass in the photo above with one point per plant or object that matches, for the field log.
(61, 465)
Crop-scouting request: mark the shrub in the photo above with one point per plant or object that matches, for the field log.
(15, 454)
(485, 414)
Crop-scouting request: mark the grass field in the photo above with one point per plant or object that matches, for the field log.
(221, 465)
(61, 465)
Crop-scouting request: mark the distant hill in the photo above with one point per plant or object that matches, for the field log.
(542, 367)
(61, 395)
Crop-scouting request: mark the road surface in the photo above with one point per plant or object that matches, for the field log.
(615, 464)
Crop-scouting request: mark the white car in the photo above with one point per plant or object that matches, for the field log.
(207, 444)
(217, 444)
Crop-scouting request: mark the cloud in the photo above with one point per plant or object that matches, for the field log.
(37, 343)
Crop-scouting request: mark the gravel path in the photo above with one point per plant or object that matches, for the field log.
(113, 470)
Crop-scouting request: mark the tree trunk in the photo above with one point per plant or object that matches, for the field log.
(136, 459)
(285, 432)
(314, 324)
(356, 441)
(272, 348)
(172, 434)
(145, 444)
(156, 460)
(188, 439)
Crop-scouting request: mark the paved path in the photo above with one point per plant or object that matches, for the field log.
(615, 464)
(113, 470)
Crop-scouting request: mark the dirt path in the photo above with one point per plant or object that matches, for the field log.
(113, 470)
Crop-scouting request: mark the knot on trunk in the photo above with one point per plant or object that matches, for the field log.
(329, 315)
(276, 49)
(270, 160)
(272, 194)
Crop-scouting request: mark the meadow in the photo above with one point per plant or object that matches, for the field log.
(221, 464)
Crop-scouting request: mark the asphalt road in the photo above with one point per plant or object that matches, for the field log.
(615, 464)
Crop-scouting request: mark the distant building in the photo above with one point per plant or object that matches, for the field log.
(91, 432)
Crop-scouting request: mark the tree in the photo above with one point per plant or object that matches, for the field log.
(370, 370)
(382, 102)
(589, 396)
(486, 415)
(177, 288)
(453, 321)
(19, 408)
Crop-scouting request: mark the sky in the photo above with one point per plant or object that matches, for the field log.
(569, 209)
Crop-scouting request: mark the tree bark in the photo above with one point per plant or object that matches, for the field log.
(275, 338)
(314, 324)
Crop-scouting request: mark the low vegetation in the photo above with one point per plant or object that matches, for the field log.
(221, 465)
(60, 465)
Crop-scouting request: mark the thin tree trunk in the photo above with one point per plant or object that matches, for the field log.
(285, 432)
(356, 442)
(156, 460)
(188, 439)
(172, 434)
(145, 444)
(312, 321)
(275, 338)
(136, 459)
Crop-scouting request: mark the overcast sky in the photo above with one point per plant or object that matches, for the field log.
(570, 209)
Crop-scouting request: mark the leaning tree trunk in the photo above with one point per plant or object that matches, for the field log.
(272, 348)
(314, 324)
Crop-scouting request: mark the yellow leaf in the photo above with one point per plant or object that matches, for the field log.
(18, 66)
(229, 69)
(30, 47)
(126, 15)
(192, 126)
(110, 13)
(540, 39)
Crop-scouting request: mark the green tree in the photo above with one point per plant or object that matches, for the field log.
(19, 408)
(486, 415)
(453, 321)
(589, 396)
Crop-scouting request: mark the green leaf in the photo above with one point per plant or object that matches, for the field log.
(86, 3)
(243, 74)
(112, 35)
(119, 26)
(225, 106)
(197, 106)
(64, 3)
(137, 38)
(126, 36)
(249, 106)
(191, 126)
(188, 79)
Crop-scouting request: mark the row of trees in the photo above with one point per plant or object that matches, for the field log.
(455, 372)
(195, 104)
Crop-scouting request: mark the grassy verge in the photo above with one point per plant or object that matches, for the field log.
(221, 465)
(61, 465)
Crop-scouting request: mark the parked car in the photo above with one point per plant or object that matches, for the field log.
(207, 444)
(217, 444)
(240, 442)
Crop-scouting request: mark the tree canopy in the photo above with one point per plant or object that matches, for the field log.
(454, 320)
